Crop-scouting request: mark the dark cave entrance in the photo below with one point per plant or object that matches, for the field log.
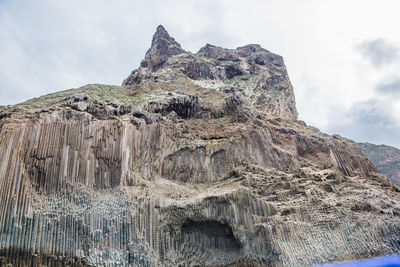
(209, 234)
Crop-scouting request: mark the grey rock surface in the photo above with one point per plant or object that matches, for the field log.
(251, 69)
(176, 172)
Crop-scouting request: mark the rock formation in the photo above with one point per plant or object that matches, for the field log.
(250, 70)
(197, 160)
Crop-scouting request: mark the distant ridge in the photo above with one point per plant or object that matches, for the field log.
(386, 159)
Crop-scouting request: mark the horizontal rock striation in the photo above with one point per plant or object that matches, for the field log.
(174, 173)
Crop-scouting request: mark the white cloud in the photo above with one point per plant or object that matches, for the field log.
(379, 52)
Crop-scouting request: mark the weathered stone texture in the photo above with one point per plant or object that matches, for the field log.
(171, 173)
(252, 70)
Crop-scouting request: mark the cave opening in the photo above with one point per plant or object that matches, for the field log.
(210, 234)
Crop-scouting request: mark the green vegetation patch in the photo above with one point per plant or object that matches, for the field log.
(241, 81)
(127, 95)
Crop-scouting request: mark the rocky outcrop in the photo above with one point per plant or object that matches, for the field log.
(174, 173)
(100, 110)
(162, 47)
(251, 70)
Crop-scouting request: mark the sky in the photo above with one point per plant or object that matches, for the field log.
(343, 57)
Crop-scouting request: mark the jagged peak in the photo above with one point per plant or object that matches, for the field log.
(250, 69)
(163, 43)
(161, 32)
(250, 46)
(210, 46)
(162, 47)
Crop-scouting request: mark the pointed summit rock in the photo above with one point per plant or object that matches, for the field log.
(162, 47)
(164, 43)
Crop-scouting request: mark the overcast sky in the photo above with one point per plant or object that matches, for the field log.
(343, 56)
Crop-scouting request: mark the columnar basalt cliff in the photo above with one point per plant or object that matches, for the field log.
(196, 160)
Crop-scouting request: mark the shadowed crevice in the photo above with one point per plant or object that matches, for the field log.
(209, 234)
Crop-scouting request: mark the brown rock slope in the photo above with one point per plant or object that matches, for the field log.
(198, 160)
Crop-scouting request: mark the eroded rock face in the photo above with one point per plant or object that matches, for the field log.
(259, 74)
(100, 110)
(162, 47)
(173, 173)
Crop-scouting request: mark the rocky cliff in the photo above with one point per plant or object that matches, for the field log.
(386, 159)
(249, 70)
(196, 160)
